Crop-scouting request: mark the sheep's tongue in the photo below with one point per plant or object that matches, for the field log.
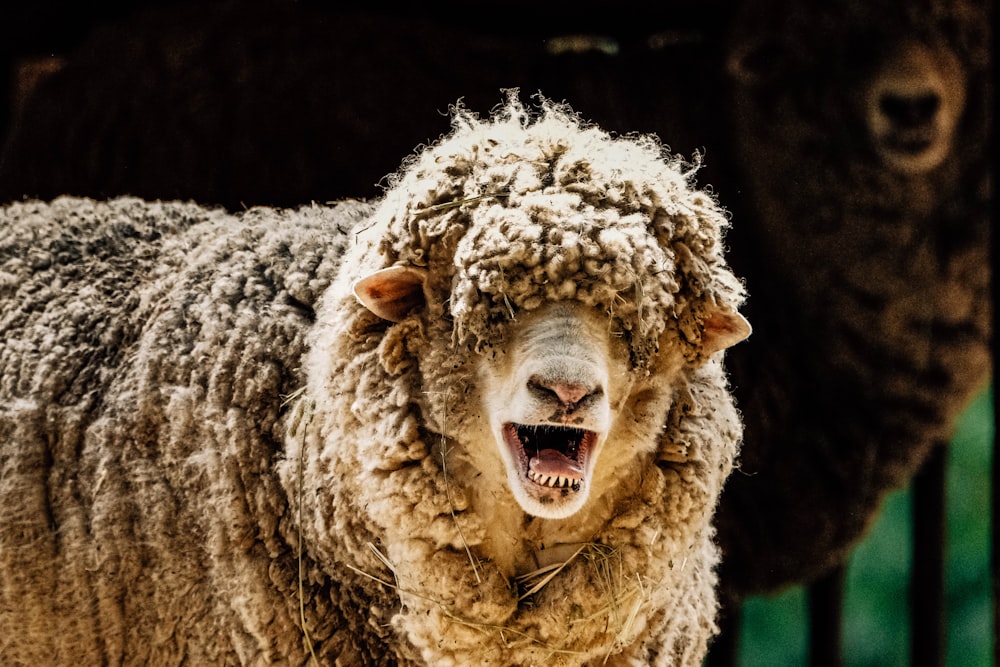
(555, 463)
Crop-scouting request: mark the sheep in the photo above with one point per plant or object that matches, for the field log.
(861, 135)
(482, 420)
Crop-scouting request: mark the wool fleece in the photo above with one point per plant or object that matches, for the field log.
(217, 448)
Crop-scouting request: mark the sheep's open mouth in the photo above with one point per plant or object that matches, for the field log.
(551, 456)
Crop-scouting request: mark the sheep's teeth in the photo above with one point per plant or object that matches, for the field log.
(554, 481)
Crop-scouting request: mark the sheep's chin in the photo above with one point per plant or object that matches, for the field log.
(549, 467)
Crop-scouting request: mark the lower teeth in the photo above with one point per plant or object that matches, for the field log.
(554, 482)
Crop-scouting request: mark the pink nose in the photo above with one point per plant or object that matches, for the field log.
(567, 392)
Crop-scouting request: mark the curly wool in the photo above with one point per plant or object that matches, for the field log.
(145, 352)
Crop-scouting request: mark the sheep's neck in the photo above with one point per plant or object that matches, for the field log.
(519, 543)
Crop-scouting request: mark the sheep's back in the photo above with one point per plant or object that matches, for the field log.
(147, 350)
(71, 277)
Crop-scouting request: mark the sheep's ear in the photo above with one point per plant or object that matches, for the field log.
(393, 292)
(724, 328)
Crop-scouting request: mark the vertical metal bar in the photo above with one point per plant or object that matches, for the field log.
(995, 481)
(826, 613)
(927, 584)
(994, 505)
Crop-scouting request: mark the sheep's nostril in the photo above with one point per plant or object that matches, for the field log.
(910, 111)
(568, 393)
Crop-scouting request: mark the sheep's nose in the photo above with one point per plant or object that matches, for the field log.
(910, 111)
(914, 102)
(568, 393)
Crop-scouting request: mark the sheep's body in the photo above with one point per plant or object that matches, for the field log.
(147, 350)
(195, 412)
(869, 258)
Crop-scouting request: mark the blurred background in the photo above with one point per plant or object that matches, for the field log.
(877, 629)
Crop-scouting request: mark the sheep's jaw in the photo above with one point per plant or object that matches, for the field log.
(550, 467)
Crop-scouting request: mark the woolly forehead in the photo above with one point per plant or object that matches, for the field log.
(509, 215)
(551, 247)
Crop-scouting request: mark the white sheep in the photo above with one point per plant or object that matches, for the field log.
(481, 421)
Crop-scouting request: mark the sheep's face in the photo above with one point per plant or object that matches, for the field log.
(913, 104)
(898, 99)
(564, 406)
(552, 397)
(857, 131)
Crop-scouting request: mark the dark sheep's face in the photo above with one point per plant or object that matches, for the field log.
(877, 82)
(912, 105)
(856, 128)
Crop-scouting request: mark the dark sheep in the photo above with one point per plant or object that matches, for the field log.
(861, 134)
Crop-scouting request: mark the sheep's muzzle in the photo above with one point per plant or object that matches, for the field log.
(553, 457)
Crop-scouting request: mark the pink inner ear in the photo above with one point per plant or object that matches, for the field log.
(393, 292)
(724, 329)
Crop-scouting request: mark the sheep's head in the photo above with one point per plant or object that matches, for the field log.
(580, 274)
(885, 79)
(861, 132)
